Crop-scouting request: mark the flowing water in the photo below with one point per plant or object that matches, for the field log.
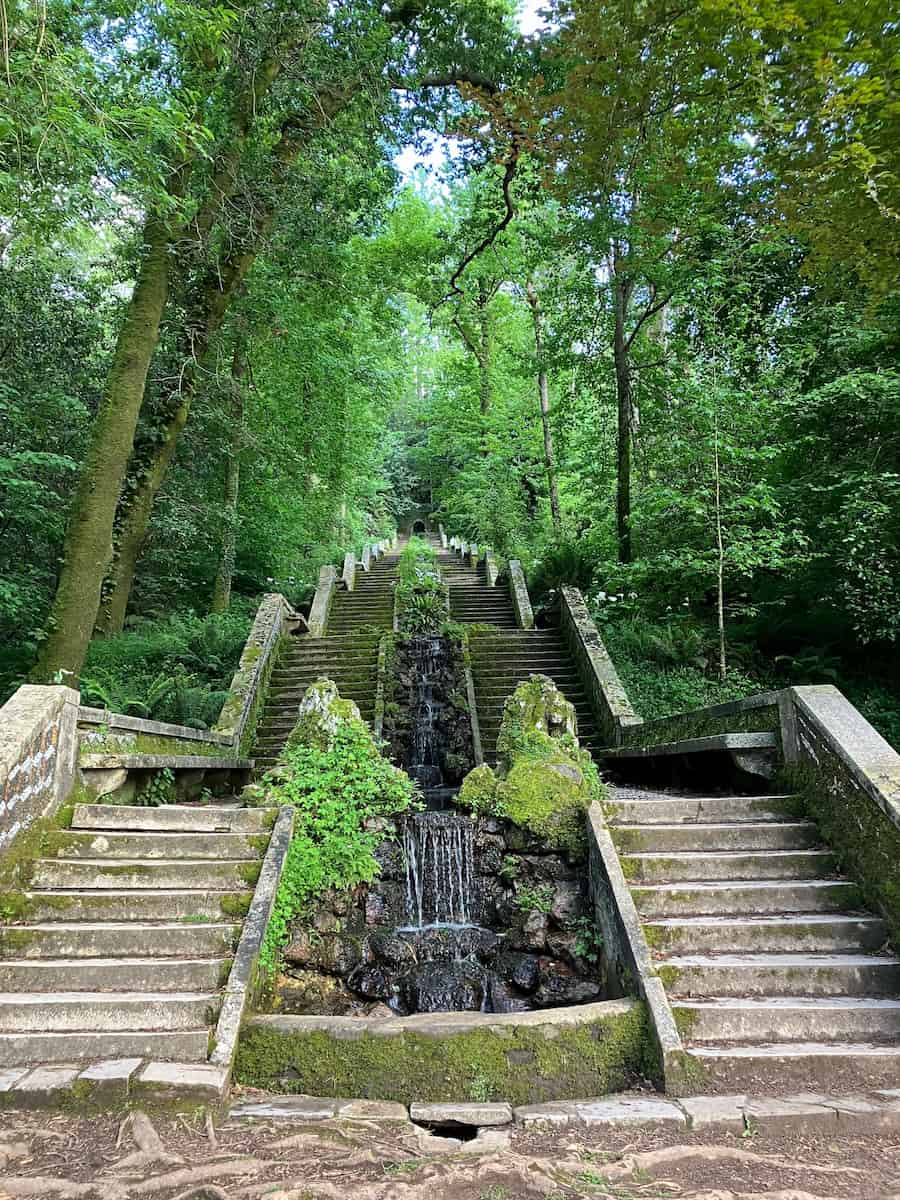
(440, 872)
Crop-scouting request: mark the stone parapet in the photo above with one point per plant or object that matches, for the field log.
(605, 689)
(246, 696)
(38, 751)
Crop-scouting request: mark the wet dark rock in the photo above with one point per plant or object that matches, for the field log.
(522, 971)
(546, 868)
(331, 952)
(567, 904)
(505, 999)
(560, 985)
(389, 947)
(389, 856)
(384, 904)
(443, 987)
(372, 981)
(534, 931)
(490, 850)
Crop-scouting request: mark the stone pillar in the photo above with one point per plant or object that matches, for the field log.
(518, 590)
(349, 574)
(318, 617)
(366, 560)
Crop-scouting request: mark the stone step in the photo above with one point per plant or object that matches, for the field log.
(780, 975)
(326, 659)
(77, 843)
(99, 873)
(746, 898)
(810, 1066)
(805, 933)
(668, 810)
(783, 1018)
(111, 939)
(173, 818)
(166, 904)
(113, 974)
(728, 865)
(78, 1046)
(58, 1012)
(289, 698)
(660, 839)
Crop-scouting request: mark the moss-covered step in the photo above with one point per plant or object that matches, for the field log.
(115, 974)
(188, 905)
(70, 843)
(173, 818)
(788, 1018)
(734, 866)
(524, 1058)
(780, 975)
(94, 873)
(105, 939)
(747, 896)
(744, 835)
(159, 762)
(805, 933)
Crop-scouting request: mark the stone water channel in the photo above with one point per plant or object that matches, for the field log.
(467, 915)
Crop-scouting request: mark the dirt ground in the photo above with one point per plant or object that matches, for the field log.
(186, 1158)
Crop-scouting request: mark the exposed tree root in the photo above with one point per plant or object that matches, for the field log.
(648, 1160)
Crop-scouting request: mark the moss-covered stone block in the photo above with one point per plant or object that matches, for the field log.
(523, 1058)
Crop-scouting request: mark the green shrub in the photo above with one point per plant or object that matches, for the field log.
(335, 791)
(421, 599)
(178, 669)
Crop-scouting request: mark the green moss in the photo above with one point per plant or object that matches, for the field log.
(235, 904)
(259, 842)
(519, 1064)
(145, 743)
(669, 976)
(249, 873)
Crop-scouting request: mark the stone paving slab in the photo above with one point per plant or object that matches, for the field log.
(480, 1115)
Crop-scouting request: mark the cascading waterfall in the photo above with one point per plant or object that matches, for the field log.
(440, 873)
(430, 656)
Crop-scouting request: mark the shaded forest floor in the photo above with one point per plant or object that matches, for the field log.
(115, 1158)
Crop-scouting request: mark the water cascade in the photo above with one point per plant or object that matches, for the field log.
(440, 871)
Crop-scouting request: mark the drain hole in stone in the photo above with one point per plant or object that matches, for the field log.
(462, 1133)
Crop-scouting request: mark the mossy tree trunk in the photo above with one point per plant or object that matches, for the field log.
(622, 290)
(214, 295)
(221, 596)
(88, 547)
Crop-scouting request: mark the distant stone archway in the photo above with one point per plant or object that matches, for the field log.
(419, 527)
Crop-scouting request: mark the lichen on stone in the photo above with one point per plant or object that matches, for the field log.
(320, 715)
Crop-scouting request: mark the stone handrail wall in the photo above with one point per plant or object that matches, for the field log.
(95, 724)
(605, 690)
(491, 570)
(753, 714)
(38, 753)
(349, 573)
(849, 777)
(627, 961)
(246, 696)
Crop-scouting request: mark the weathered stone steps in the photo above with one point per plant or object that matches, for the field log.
(65, 1011)
(84, 974)
(810, 933)
(88, 1045)
(146, 845)
(172, 818)
(120, 904)
(795, 1018)
(137, 875)
(102, 939)
(770, 971)
(693, 898)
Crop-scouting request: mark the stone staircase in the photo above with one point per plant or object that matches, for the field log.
(774, 969)
(505, 656)
(125, 938)
(348, 654)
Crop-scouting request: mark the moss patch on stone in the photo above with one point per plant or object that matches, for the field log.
(545, 782)
(521, 1064)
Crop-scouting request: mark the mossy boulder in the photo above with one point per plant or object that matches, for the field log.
(320, 714)
(544, 782)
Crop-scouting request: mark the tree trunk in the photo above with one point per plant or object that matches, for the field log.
(221, 596)
(622, 291)
(544, 394)
(484, 355)
(89, 535)
(720, 557)
(214, 296)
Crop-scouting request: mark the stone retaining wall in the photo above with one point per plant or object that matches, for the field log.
(753, 714)
(524, 1058)
(607, 694)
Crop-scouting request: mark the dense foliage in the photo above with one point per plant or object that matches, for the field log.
(339, 790)
(640, 330)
